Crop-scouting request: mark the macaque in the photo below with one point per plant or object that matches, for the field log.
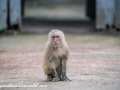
(56, 56)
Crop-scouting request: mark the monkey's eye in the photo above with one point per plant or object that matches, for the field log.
(57, 36)
(53, 36)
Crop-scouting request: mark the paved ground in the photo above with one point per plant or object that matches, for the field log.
(94, 62)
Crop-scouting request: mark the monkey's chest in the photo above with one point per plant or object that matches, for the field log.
(57, 57)
(59, 53)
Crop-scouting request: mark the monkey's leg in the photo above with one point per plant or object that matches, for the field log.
(64, 77)
(59, 72)
(56, 78)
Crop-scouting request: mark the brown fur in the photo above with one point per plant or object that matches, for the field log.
(53, 56)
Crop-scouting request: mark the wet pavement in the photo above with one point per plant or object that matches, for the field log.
(94, 62)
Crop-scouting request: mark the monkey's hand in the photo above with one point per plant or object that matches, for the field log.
(64, 77)
(56, 79)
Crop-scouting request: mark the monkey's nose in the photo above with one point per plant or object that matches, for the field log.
(55, 40)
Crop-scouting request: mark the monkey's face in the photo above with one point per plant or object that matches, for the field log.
(55, 40)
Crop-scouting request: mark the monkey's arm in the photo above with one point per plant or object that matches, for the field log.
(64, 77)
(64, 63)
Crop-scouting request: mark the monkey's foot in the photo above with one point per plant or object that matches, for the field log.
(64, 77)
(49, 78)
(56, 79)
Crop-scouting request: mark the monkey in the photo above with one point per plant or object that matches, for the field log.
(55, 56)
